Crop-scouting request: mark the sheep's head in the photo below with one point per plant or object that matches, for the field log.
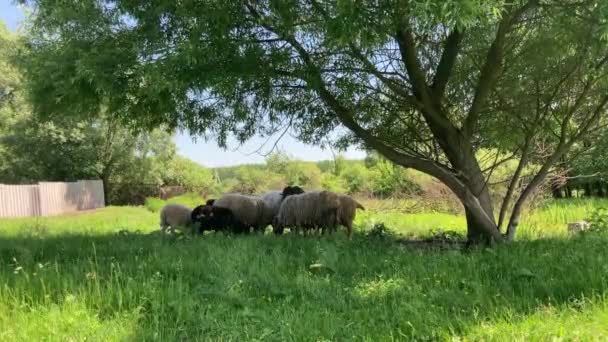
(292, 190)
(210, 201)
(202, 212)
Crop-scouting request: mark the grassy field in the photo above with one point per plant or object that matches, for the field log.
(107, 276)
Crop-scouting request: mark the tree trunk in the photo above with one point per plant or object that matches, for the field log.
(476, 232)
(556, 190)
(588, 190)
(568, 191)
(601, 191)
(106, 189)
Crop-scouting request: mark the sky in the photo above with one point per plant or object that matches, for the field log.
(208, 153)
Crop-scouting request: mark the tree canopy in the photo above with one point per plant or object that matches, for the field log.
(424, 83)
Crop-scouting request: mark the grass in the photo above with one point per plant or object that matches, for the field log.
(106, 276)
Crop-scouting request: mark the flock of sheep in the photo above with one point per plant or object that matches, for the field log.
(290, 208)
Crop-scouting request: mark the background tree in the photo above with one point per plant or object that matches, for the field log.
(425, 84)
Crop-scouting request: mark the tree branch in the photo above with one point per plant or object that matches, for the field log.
(523, 161)
(492, 67)
(446, 63)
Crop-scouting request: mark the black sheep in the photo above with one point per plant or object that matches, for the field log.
(209, 217)
(292, 190)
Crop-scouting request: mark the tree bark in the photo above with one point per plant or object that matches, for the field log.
(106, 189)
(476, 232)
(601, 191)
(556, 190)
(568, 191)
(588, 190)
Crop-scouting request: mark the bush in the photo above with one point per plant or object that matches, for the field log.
(599, 220)
(333, 183)
(389, 179)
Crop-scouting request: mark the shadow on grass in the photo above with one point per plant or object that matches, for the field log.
(250, 287)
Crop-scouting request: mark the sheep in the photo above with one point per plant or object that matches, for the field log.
(174, 216)
(210, 217)
(274, 199)
(347, 211)
(292, 190)
(308, 210)
(579, 226)
(251, 211)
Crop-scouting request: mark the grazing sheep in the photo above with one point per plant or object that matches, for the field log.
(174, 216)
(347, 211)
(209, 217)
(274, 199)
(251, 211)
(308, 210)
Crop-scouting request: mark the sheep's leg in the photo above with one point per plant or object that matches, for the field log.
(349, 230)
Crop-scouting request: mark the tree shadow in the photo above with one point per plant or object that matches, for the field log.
(243, 287)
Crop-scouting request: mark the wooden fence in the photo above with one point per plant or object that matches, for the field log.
(50, 198)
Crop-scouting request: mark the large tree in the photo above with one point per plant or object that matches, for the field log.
(424, 83)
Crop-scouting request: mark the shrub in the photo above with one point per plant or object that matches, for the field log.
(599, 220)
(333, 183)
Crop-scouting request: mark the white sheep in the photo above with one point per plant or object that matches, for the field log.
(174, 216)
(274, 199)
(308, 210)
(251, 211)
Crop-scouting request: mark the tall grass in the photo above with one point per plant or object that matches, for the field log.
(108, 276)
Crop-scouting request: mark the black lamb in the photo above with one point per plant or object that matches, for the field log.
(209, 217)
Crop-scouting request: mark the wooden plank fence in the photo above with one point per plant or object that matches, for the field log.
(50, 198)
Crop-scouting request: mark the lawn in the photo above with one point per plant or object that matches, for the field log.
(107, 276)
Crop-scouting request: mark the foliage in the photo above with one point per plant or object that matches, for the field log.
(106, 276)
(389, 179)
(599, 220)
(331, 182)
(183, 171)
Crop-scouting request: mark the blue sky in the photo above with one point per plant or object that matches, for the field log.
(208, 153)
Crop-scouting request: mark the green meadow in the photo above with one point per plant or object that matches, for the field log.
(108, 275)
